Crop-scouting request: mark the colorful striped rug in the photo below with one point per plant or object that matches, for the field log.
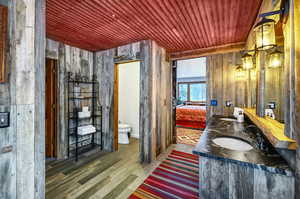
(176, 177)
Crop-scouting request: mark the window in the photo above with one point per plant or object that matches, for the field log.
(183, 92)
(198, 92)
(191, 80)
(192, 91)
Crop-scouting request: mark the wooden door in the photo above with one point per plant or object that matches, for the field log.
(174, 99)
(51, 107)
(116, 108)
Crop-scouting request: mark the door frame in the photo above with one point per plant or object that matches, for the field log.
(174, 100)
(56, 115)
(116, 102)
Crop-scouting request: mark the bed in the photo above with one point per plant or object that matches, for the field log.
(191, 116)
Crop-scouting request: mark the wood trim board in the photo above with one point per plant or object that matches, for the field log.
(272, 129)
(3, 40)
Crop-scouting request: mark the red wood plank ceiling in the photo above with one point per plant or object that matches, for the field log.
(177, 25)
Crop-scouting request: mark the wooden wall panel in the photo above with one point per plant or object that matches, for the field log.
(39, 106)
(22, 155)
(296, 8)
(162, 100)
(155, 95)
(70, 59)
(3, 41)
(104, 71)
(222, 84)
(227, 180)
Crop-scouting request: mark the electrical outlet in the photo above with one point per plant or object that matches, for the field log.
(228, 103)
(272, 105)
(4, 119)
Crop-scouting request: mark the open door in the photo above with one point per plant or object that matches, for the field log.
(51, 108)
(174, 99)
(116, 107)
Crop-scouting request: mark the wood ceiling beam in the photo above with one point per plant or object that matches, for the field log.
(234, 47)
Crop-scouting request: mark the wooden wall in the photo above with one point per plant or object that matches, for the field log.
(295, 16)
(228, 180)
(223, 85)
(153, 112)
(291, 85)
(274, 85)
(22, 156)
(70, 59)
(161, 100)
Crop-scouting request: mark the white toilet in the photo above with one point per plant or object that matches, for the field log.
(124, 129)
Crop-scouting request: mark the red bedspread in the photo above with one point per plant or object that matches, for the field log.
(191, 116)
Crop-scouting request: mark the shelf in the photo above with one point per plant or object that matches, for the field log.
(89, 96)
(81, 98)
(74, 134)
(70, 93)
(85, 148)
(272, 129)
(93, 116)
(83, 82)
(73, 128)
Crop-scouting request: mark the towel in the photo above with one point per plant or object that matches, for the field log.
(84, 130)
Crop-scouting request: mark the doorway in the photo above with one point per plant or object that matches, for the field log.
(127, 105)
(189, 90)
(51, 108)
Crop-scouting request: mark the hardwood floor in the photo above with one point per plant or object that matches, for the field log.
(102, 174)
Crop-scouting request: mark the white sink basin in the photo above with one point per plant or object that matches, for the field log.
(228, 119)
(232, 144)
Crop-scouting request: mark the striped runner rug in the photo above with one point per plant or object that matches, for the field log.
(176, 177)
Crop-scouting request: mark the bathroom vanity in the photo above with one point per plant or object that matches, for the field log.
(237, 161)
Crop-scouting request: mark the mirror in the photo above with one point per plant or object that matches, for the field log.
(274, 80)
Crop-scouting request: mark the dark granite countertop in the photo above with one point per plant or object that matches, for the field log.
(262, 156)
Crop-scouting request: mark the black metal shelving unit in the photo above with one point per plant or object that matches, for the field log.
(87, 96)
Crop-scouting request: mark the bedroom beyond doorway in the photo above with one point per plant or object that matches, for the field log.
(190, 99)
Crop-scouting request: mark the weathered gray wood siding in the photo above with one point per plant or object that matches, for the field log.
(155, 94)
(70, 59)
(22, 157)
(274, 82)
(295, 16)
(220, 179)
(223, 85)
(39, 109)
(161, 100)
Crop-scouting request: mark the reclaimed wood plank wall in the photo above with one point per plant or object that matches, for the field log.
(152, 104)
(161, 100)
(22, 158)
(293, 33)
(223, 85)
(155, 91)
(70, 59)
(228, 180)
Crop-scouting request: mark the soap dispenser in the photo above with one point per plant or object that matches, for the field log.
(240, 117)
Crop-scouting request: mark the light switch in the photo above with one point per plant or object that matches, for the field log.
(214, 102)
(4, 119)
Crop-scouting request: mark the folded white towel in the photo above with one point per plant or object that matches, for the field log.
(84, 114)
(84, 130)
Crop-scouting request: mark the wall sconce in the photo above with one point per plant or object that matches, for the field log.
(247, 61)
(275, 59)
(240, 73)
(265, 34)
